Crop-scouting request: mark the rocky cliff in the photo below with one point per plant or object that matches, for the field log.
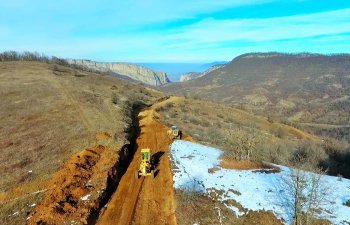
(135, 72)
(189, 76)
(193, 75)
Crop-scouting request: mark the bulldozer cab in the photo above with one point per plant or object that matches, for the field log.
(146, 154)
(174, 130)
(146, 168)
(174, 133)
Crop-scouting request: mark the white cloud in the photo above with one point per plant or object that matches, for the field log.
(270, 29)
(165, 10)
(203, 41)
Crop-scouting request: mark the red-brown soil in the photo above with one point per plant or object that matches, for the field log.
(75, 189)
(247, 165)
(146, 200)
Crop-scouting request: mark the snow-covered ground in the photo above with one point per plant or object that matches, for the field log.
(253, 190)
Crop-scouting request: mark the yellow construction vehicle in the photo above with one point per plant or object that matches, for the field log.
(146, 168)
(174, 133)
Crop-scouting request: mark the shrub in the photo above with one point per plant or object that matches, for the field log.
(114, 98)
(347, 203)
(168, 105)
(279, 132)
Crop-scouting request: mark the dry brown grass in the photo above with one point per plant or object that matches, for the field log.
(225, 127)
(201, 209)
(246, 165)
(47, 113)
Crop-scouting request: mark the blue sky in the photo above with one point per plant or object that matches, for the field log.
(173, 31)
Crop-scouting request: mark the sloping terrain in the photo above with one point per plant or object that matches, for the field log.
(306, 88)
(243, 135)
(197, 170)
(49, 112)
(132, 71)
(77, 188)
(194, 75)
(235, 130)
(146, 200)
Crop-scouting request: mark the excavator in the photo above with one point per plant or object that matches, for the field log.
(146, 167)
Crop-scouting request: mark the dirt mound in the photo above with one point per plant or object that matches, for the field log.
(76, 188)
(248, 165)
(102, 136)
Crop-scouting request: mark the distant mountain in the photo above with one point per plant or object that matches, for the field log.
(175, 70)
(208, 65)
(193, 75)
(126, 71)
(307, 88)
(189, 76)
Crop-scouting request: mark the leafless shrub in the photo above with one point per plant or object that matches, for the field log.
(347, 203)
(114, 98)
(194, 120)
(168, 105)
(304, 194)
(310, 153)
(279, 132)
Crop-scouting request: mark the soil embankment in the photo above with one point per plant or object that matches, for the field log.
(76, 189)
(145, 200)
(79, 191)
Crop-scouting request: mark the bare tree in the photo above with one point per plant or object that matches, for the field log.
(243, 142)
(304, 194)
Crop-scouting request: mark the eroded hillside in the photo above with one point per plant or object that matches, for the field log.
(49, 112)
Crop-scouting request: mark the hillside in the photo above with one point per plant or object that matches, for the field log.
(250, 196)
(51, 113)
(193, 75)
(68, 138)
(132, 71)
(295, 88)
(245, 136)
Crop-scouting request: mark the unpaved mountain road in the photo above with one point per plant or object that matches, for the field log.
(146, 200)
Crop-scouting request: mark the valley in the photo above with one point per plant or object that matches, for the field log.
(175, 112)
(75, 136)
(289, 88)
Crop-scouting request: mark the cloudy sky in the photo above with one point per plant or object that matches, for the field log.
(173, 31)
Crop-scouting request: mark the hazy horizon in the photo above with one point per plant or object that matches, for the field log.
(166, 31)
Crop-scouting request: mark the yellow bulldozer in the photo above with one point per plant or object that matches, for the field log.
(146, 167)
(174, 133)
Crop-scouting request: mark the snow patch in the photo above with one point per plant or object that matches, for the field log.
(86, 197)
(252, 190)
(37, 192)
(14, 214)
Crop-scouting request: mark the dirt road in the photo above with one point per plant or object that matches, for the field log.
(145, 200)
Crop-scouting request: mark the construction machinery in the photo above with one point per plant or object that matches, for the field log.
(174, 133)
(146, 167)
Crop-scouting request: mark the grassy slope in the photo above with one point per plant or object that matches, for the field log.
(211, 123)
(293, 88)
(225, 127)
(47, 113)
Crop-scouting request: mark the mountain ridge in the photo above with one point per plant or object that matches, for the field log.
(301, 88)
(194, 75)
(133, 71)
